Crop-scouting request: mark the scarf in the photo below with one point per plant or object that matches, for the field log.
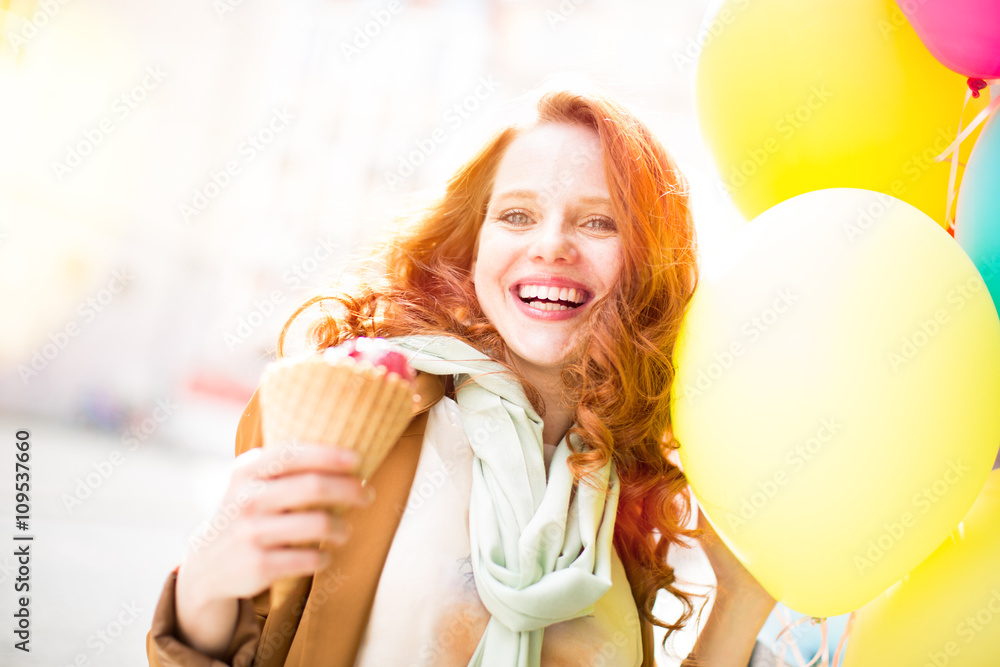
(541, 549)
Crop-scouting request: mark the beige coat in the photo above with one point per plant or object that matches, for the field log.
(323, 622)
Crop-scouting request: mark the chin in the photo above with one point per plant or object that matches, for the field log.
(527, 352)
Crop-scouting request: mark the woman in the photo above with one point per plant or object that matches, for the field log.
(546, 287)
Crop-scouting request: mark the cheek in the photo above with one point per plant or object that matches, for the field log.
(479, 271)
(491, 260)
(486, 275)
(482, 296)
(479, 261)
(608, 262)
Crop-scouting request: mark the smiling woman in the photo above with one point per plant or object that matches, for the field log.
(547, 254)
(540, 298)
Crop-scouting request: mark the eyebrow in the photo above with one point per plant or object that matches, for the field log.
(531, 194)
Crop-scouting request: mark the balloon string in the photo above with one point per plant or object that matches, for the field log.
(842, 644)
(825, 628)
(823, 654)
(951, 152)
(790, 641)
(949, 219)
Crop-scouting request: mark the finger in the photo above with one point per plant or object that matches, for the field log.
(291, 458)
(309, 490)
(292, 562)
(297, 528)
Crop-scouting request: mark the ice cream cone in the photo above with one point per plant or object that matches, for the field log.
(337, 400)
(349, 404)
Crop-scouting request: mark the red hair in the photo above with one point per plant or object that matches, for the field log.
(621, 382)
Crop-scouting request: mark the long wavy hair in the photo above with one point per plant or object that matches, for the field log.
(621, 381)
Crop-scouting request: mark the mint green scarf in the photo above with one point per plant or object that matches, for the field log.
(541, 553)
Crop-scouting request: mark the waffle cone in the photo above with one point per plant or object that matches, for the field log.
(347, 404)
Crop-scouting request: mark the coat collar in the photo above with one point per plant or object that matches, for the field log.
(430, 389)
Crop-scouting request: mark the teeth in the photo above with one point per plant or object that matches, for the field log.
(547, 305)
(569, 294)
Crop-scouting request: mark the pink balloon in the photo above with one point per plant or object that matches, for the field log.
(963, 34)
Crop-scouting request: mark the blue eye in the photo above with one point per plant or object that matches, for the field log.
(602, 224)
(515, 217)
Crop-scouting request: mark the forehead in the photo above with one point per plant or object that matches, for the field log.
(553, 155)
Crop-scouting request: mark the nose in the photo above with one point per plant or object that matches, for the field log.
(552, 242)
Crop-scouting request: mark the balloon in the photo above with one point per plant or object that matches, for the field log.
(977, 218)
(797, 96)
(836, 392)
(945, 612)
(962, 34)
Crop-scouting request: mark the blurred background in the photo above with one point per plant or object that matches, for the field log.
(176, 177)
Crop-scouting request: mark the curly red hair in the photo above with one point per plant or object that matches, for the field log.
(621, 382)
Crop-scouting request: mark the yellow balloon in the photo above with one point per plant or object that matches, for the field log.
(947, 611)
(836, 392)
(797, 96)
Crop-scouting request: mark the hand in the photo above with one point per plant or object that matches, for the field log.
(731, 577)
(741, 606)
(253, 546)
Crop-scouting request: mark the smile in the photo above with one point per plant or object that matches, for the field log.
(551, 298)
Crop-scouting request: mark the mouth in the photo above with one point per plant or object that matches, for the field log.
(551, 297)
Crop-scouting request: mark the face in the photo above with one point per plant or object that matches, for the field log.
(549, 247)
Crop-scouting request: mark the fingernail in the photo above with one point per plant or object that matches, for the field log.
(369, 495)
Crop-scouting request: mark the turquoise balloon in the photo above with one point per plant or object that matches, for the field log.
(977, 220)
